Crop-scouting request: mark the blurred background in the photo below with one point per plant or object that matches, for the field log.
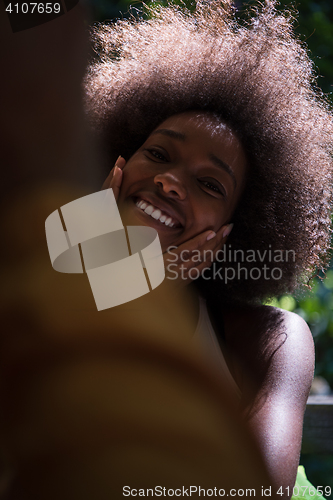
(314, 25)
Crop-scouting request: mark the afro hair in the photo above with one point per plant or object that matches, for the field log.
(257, 77)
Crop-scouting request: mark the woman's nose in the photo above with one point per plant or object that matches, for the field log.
(171, 185)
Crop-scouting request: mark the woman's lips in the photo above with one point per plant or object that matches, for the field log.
(156, 213)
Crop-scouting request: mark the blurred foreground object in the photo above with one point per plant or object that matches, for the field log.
(94, 401)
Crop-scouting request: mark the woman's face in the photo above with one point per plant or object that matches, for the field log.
(185, 179)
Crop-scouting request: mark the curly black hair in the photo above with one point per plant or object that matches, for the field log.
(257, 77)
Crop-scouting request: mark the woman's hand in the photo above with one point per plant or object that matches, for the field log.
(198, 253)
(115, 177)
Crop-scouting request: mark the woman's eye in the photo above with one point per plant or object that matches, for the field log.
(157, 154)
(212, 186)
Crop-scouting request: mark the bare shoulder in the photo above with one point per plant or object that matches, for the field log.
(273, 355)
(298, 334)
(266, 326)
(273, 347)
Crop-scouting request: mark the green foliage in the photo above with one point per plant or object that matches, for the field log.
(188, 4)
(116, 9)
(103, 10)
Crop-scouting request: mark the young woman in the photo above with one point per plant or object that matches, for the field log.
(225, 147)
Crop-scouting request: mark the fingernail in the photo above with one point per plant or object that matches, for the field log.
(116, 170)
(211, 235)
(227, 230)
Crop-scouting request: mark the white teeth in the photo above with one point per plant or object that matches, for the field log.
(156, 214)
(149, 210)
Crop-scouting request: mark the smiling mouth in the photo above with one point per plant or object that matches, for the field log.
(157, 213)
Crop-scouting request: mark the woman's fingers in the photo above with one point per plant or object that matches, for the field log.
(199, 253)
(227, 230)
(188, 248)
(208, 240)
(114, 178)
(116, 181)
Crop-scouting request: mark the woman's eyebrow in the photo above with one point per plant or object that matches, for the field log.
(220, 163)
(170, 133)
